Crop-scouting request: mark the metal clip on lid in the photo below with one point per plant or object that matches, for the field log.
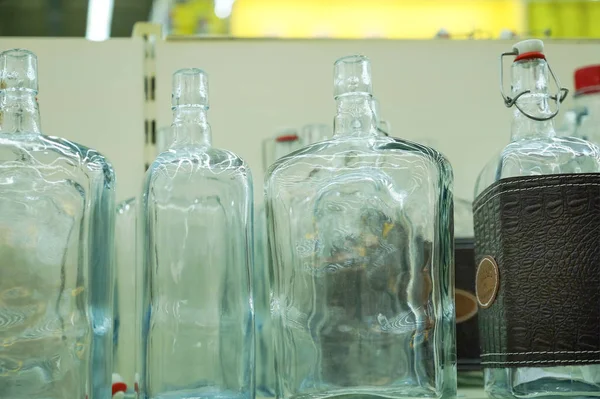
(534, 47)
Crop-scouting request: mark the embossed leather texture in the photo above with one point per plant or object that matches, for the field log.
(544, 234)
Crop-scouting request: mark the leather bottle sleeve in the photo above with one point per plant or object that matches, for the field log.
(537, 244)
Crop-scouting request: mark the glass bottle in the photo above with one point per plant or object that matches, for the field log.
(127, 330)
(314, 132)
(286, 141)
(382, 125)
(56, 245)
(360, 236)
(196, 232)
(587, 101)
(535, 149)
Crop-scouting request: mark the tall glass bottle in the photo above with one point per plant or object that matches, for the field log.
(127, 329)
(587, 102)
(56, 245)
(360, 235)
(197, 252)
(286, 141)
(535, 149)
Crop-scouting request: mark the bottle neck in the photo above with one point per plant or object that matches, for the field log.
(531, 75)
(19, 112)
(190, 126)
(355, 116)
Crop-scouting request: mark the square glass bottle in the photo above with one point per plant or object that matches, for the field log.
(57, 215)
(360, 238)
(196, 227)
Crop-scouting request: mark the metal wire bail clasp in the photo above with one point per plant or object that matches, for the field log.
(559, 97)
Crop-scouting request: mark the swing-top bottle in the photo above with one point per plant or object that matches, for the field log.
(541, 184)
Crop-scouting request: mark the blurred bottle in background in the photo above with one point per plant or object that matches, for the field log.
(128, 277)
(285, 141)
(587, 102)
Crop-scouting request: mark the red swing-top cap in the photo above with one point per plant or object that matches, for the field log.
(529, 49)
(587, 79)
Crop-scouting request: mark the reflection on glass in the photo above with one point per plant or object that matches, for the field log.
(361, 244)
(56, 250)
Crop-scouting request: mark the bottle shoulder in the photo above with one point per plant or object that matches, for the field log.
(195, 163)
(203, 157)
(547, 156)
(54, 155)
(377, 152)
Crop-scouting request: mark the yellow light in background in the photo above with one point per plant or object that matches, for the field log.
(564, 18)
(406, 19)
(196, 16)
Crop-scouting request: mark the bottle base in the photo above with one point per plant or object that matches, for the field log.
(374, 393)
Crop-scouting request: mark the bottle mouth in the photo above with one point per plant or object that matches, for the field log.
(190, 88)
(18, 71)
(352, 76)
(352, 59)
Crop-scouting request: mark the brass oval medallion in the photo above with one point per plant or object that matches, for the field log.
(487, 282)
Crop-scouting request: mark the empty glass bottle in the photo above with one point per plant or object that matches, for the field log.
(535, 149)
(382, 125)
(56, 245)
(197, 252)
(127, 329)
(569, 124)
(314, 132)
(360, 236)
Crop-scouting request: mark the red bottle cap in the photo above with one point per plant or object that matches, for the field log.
(286, 138)
(587, 79)
(119, 387)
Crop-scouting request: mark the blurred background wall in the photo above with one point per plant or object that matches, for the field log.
(392, 19)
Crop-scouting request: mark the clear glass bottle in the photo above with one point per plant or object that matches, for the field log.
(535, 149)
(127, 329)
(568, 127)
(382, 125)
(587, 102)
(56, 245)
(197, 253)
(286, 141)
(314, 132)
(361, 241)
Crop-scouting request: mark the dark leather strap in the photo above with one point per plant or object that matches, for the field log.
(543, 300)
